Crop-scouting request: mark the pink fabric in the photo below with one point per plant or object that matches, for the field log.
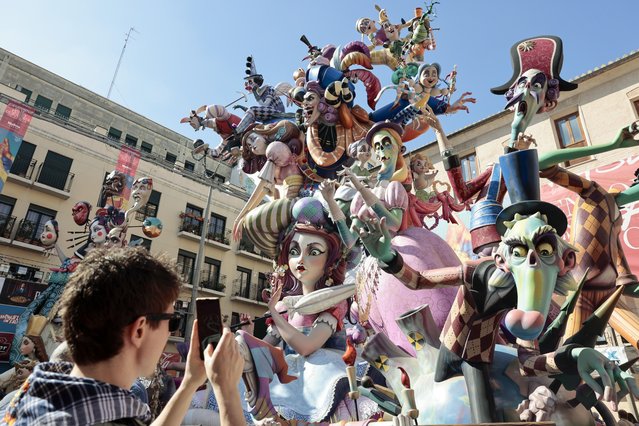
(393, 196)
(338, 311)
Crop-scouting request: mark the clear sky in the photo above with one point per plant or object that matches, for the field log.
(186, 54)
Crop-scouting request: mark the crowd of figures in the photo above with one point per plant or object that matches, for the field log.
(371, 314)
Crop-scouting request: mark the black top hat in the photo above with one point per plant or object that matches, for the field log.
(520, 170)
(383, 125)
(251, 71)
(544, 53)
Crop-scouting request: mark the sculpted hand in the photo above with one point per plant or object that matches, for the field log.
(248, 328)
(276, 294)
(377, 239)
(348, 174)
(460, 104)
(626, 137)
(327, 189)
(242, 107)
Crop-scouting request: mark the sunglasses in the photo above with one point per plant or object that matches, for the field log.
(173, 318)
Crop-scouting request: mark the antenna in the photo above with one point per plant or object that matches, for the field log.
(117, 68)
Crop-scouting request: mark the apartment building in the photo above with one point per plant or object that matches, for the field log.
(73, 141)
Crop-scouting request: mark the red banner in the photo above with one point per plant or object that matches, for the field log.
(128, 161)
(13, 126)
(614, 177)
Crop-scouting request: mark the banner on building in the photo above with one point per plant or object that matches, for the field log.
(13, 126)
(127, 164)
(614, 177)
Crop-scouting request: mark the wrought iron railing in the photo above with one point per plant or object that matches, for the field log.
(54, 177)
(248, 246)
(23, 167)
(221, 237)
(247, 291)
(6, 225)
(189, 224)
(29, 232)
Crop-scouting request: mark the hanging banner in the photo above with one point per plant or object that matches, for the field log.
(613, 177)
(13, 126)
(127, 165)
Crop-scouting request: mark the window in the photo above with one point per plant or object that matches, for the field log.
(469, 166)
(218, 178)
(186, 265)
(192, 220)
(146, 147)
(63, 112)
(131, 140)
(636, 104)
(114, 134)
(210, 276)
(571, 135)
(6, 221)
(33, 224)
(262, 284)
(55, 171)
(243, 283)
(26, 92)
(136, 240)
(217, 228)
(151, 207)
(189, 166)
(22, 161)
(43, 104)
(171, 158)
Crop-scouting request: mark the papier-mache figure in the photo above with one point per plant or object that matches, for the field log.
(311, 258)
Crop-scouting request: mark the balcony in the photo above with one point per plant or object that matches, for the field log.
(191, 227)
(54, 181)
(22, 171)
(28, 236)
(244, 292)
(6, 227)
(210, 283)
(247, 249)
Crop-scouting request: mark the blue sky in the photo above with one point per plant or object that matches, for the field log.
(188, 54)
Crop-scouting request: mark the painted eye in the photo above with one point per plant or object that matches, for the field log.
(537, 85)
(519, 251)
(315, 252)
(294, 252)
(545, 249)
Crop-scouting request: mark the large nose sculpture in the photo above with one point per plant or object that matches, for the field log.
(532, 258)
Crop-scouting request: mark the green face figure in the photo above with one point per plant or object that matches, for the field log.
(533, 258)
(386, 151)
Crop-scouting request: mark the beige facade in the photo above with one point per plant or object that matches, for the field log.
(230, 269)
(606, 100)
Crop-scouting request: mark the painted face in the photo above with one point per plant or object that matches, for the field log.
(363, 153)
(366, 26)
(27, 347)
(307, 258)
(386, 152)
(141, 190)
(22, 373)
(98, 232)
(114, 183)
(250, 84)
(256, 143)
(535, 265)
(309, 105)
(115, 238)
(528, 97)
(429, 77)
(80, 212)
(390, 30)
(49, 235)
(419, 166)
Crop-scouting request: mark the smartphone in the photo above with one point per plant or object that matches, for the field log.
(209, 322)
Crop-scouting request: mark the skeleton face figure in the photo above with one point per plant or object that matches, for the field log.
(386, 151)
(115, 238)
(252, 83)
(141, 190)
(366, 26)
(80, 212)
(529, 95)
(49, 235)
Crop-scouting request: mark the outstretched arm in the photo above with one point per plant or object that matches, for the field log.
(348, 236)
(626, 138)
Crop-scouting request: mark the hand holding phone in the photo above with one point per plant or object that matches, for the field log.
(209, 322)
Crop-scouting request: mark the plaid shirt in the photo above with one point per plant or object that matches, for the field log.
(51, 397)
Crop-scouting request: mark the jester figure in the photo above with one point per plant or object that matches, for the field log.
(270, 105)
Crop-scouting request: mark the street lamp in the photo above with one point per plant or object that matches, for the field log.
(200, 250)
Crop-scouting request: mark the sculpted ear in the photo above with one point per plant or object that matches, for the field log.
(403, 150)
(500, 262)
(548, 106)
(569, 261)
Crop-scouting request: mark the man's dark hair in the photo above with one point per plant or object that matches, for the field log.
(109, 290)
